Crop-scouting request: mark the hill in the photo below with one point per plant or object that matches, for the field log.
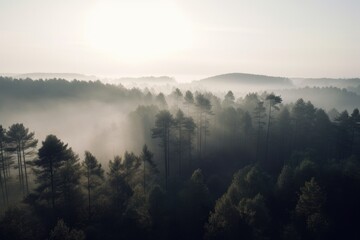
(66, 76)
(236, 80)
(149, 79)
(327, 82)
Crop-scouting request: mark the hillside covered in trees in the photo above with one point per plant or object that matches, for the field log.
(184, 164)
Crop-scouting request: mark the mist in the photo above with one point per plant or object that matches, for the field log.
(150, 152)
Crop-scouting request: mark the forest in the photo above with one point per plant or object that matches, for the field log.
(188, 163)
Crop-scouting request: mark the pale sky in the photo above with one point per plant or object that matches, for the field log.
(181, 38)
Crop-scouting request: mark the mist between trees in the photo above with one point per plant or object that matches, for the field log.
(88, 160)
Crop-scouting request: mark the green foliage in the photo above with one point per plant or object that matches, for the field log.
(285, 178)
(255, 213)
(57, 173)
(189, 97)
(120, 190)
(94, 177)
(311, 199)
(225, 221)
(241, 211)
(63, 232)
(128, 203)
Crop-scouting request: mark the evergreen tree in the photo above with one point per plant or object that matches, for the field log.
(94, 175)
(120, 190)
(147, 159)
(204, 109)
(310, 206)
(179, 123)
(177, 94)
(259, 115)
(3, 174)
(229, 99)
(273, 101)
(164, 122)
(189, 100)
(51, 168)
(62, 232)
(22, 142)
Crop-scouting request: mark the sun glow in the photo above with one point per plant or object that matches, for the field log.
(133, 31)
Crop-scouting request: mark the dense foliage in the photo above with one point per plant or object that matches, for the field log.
(252, 168)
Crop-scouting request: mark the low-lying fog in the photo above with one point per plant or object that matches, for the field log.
(98, 127)
(105, 129)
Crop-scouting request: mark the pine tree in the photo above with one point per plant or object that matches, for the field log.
(163, 124)
(3, 174)
(53, 156)
(147, 158)
(94, 175)
(273, 102)
(23, 143)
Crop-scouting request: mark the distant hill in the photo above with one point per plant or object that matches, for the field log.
(234, 80)
(327, 82)
(149, 79)
(66, 76)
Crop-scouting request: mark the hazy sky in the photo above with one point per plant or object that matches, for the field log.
(310, 38)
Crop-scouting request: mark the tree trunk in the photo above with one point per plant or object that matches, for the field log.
(26, 176)
(267, 134)
(4, 173)
(89, 191)
(52, 185)
(165, 154)
(180, 148)
(21, 176)
(144, 177)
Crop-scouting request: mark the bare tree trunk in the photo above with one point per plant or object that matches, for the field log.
(144, 177)
(2, 188)
(4, 173)
(21, 174)
(89, 190)
(267, 134)
(165, 155)
(200, 137)
(180, 148)
(26, 176)
(52, 185)
(205, 128)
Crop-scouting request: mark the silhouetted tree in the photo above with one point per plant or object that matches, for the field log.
(229, 99)
(189, 100)
(62, 232)
(189, 127)
(120, 190)
(164, 122)
(3, 175)
(343, 134)
(53, 156)
(94, 175)
(310, 206)
(179, 122)
(204, 108)
(22, 140)
(273, 101)
(195, 206)
(355, 130)
(256, 214)
(147, 158)
(303, 115)
(259, 115)
(177, 94)
(160, 99)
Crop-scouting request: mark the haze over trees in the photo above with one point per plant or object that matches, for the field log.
(192, 165)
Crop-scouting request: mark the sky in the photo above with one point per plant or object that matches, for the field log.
(185, 39)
